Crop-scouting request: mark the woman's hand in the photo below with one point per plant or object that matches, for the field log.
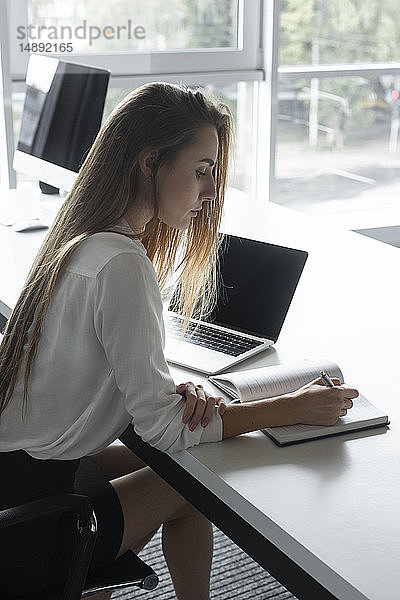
(199, 404)
(317, 404)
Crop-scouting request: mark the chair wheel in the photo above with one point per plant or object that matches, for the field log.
(150, 582)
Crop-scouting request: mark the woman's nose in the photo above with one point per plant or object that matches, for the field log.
(209, 193)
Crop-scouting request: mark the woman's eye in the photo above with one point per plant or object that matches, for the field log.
(200, 174)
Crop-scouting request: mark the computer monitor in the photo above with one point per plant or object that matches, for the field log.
(62, 115)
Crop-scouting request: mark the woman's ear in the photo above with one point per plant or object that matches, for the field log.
(147, 160)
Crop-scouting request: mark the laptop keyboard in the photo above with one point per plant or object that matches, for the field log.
(214, 339)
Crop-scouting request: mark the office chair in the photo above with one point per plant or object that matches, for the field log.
(127, 570)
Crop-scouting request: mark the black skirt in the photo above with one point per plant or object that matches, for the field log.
(36, 556)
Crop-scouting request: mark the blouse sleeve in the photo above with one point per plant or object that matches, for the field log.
(129, 324)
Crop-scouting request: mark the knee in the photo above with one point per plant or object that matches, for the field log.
(189, 511)
(140, 545)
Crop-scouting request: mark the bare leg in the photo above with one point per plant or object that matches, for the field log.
(117, 460)
(147, 501)
(188, 548)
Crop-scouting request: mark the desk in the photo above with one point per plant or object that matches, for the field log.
(322, 517)
(18, 250)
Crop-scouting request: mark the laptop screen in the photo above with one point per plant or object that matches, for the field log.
(257, 284)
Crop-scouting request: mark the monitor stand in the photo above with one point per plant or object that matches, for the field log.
(48, 189)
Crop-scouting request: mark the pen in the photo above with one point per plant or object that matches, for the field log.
(327, 380)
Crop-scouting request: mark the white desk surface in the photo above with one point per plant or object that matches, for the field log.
(332, 505)
(18, 250)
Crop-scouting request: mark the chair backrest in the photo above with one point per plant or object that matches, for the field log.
(86, 527)
(128, 570)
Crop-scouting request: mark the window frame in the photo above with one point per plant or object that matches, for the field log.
(319, 71)
(125, 63)
(257, 59)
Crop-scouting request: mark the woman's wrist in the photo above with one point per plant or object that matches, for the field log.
(251, 416)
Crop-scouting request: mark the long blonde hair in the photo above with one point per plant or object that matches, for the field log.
(159, 115)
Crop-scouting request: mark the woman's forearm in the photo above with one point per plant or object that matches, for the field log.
(251, 416)
(312, 404)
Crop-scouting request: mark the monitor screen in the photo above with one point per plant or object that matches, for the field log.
(62, 113)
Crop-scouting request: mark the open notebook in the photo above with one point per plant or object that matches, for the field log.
(267, 382)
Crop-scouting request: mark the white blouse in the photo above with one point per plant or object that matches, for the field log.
(100, 363)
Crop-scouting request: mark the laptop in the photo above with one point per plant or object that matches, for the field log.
(256, 286)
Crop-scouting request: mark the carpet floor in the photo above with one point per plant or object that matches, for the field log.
(234, 575)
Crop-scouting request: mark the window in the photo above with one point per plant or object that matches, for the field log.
(213, 44)
(339, 31)
(134, 37)
(240, 96)
(337, 110)
(313, 84)
(337, 140)
(124, 25)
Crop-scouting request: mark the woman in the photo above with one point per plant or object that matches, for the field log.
(82, 354)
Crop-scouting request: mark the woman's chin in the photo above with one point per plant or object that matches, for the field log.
(181, 226)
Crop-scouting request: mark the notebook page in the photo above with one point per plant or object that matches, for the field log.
(266, 382)
(361, 413)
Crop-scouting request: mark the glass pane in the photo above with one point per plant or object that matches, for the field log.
(338, 144)
(90, 25)
(239, 96)
(339, 31)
